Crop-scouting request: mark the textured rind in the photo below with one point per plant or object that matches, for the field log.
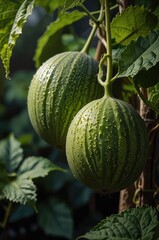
(59, 89)
(107, 145)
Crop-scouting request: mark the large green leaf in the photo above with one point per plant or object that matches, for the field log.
(17, 174)
(136, 223)
(34, 167)
(55, 218)
(50, 37)
(71, 4)
(13, 15)
(20, 190)
(135, 21)
(139, 55)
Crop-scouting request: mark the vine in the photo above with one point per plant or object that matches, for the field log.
(95, 23)
(108, 56)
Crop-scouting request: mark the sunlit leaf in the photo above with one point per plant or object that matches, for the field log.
(135, 223)
(34, 167)
(13, 16)
(139, 55)
(16, 174)
(135, 21)
(20, 190)
(51, 33)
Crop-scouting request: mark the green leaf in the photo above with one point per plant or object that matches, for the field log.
(135, 21)
(148, 78)
(20, 190)
(139, 55)
(51, 33)
(55, 218)
(13, 16)
(34, 167)
(135, 223)
(11, 153)
(154, 95)
(16, 174)
(20, 187)
(71, 4)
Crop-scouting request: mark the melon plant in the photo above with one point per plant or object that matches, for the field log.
(107, 145)
(107, 141)
(59, 89)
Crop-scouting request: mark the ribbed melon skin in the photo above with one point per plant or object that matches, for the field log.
(107, 145)
(59, 89)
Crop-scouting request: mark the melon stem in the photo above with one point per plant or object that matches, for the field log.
(108, 90)
(106, 58)
(89, 13)
(94, 29)
(109, 44)
(106, 84)
(86, 47)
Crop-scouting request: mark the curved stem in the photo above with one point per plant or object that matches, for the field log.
(94, 29)
(89, 39)
(111, 8)
(108, 38)
(100, 73)
(89, 13)
(114, 78)
(107, 84)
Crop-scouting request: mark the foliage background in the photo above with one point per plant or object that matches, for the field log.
(66, 209)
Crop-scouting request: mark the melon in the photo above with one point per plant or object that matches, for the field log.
(107, 145)
(59, 89)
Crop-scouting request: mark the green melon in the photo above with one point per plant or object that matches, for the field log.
(107, 145)
(59, 89)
